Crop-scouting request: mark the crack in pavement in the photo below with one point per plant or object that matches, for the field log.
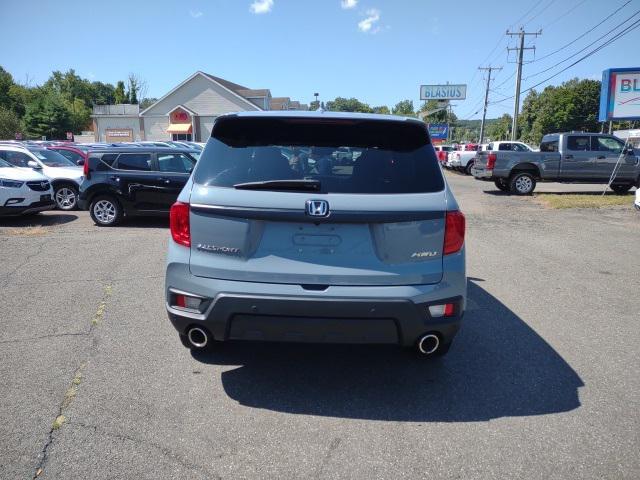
(72, 389)
(38, 251)
(165, 451)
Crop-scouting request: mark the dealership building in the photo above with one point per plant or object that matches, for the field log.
(187, 112)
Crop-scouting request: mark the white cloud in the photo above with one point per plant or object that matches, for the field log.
(261, 6)
(348, 4)
(370, 24)
(195, 14)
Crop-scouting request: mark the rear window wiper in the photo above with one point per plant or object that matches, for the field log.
(293, 185)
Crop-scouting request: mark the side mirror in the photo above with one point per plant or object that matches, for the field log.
(80, 162)
(33, 164)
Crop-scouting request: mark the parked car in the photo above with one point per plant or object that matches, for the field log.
(573, 157)
(139, 181)
(23, 192)
(462, 157)
(268, 248)
(74, 153)
(441, 152)
(637, 202)
(65, 176)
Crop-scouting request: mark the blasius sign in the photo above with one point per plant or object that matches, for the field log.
(620, 94)
(443, 92)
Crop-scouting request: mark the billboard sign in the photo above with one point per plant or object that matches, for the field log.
(438, 131)
(443, 92)
(620, 94)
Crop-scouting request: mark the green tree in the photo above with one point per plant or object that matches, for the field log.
(383, 109)
(119, 94)
(132, 93)
(9, 124)
(501, 129)
(103, 93)
(341, 104)
(404, 107)
(147, 102)
(571, 106)
(47, 115)
(442, 116)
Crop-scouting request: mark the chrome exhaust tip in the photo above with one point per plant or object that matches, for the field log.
(198, 338)
(428, 343)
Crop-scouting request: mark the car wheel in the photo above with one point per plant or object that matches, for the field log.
(105, 211)
(620, 189)
(522, 183)
(468, 168)
(501, 184)
(66, 197)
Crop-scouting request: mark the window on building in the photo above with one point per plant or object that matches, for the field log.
(176, 137)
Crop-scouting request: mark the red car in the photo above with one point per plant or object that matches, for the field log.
(76, 153)
(441, 152)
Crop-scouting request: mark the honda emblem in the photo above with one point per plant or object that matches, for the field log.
(317, 208)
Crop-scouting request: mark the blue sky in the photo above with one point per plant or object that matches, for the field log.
(378, 51)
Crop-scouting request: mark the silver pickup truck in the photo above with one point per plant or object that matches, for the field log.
(563, 157)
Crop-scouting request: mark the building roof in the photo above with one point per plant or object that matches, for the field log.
(253, 93)
(226, 83)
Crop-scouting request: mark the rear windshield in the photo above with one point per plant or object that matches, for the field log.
(344, 156)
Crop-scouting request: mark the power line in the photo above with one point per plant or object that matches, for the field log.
(583, 49)
(608, 42)
(544, 9)
(584, 34)
(579, 4)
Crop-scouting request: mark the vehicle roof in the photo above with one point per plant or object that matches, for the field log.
(142, 149)
(319, 114)
(577, 133)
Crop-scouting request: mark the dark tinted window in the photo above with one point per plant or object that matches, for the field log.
(579, 143)
(505, 146)
(549, 146)
(134, 161)
(70, 155)
(386, 156)
(174, 162)
(519, 148)
(51, 158)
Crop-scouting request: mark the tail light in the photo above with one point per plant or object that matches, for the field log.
(179, 223)
(491, 161)
(453, 232)
(85, 168)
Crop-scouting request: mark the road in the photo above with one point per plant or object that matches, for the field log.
(542, 381)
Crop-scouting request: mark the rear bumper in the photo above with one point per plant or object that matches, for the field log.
(289, 313)
(482, 174)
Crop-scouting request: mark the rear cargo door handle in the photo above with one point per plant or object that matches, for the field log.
(568, 157)
(165, 180)
(601, 157)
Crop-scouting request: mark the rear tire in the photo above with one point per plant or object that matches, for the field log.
(468, 168)
(501, 184)
(105, 211)
(620, 189)
(522, 183)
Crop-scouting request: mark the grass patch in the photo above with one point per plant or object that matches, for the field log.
(33, 231)
(59, 421)
(582, 200)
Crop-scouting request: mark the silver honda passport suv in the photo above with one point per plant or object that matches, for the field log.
(317, 227)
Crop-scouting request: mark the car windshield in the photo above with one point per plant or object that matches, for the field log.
(334, 155)
(52, 159)
(4, 164)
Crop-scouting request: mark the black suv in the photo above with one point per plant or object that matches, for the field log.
(133, 181)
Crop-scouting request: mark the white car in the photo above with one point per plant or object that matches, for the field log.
(23, 192)
(637, 202)
(64, 175)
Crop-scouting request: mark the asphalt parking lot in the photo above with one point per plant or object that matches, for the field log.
(542, 381)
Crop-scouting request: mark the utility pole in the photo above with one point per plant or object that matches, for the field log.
(486, 99)
(520, 49)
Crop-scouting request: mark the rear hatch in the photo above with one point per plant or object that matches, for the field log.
(274, 200)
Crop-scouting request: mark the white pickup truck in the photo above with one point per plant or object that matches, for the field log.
(462, 157)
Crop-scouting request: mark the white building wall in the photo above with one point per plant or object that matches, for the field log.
(206, 125)
(156, 128)
(203, 97)
(104, 123)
